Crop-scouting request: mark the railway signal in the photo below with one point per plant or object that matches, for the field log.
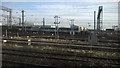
(56, 26)
(72, 32)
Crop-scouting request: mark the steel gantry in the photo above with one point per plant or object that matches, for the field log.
(100, 18)
(10, 14)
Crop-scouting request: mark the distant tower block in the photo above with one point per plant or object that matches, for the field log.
(100, 18)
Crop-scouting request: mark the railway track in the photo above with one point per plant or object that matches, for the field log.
(53, 57)
(56, 56)
(79, 39)
(29, 58)
(21, 64)
(82, 46)
(103, 40)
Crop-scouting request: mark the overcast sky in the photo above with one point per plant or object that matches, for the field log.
(60, 0)
(81, 12)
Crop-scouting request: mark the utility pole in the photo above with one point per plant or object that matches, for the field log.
(92, 38)
(43, 22)
(6, 33)
(19, 21)
(22, 18)
(7, 20)
(94, 20)
(10, 18)
(7, 26)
